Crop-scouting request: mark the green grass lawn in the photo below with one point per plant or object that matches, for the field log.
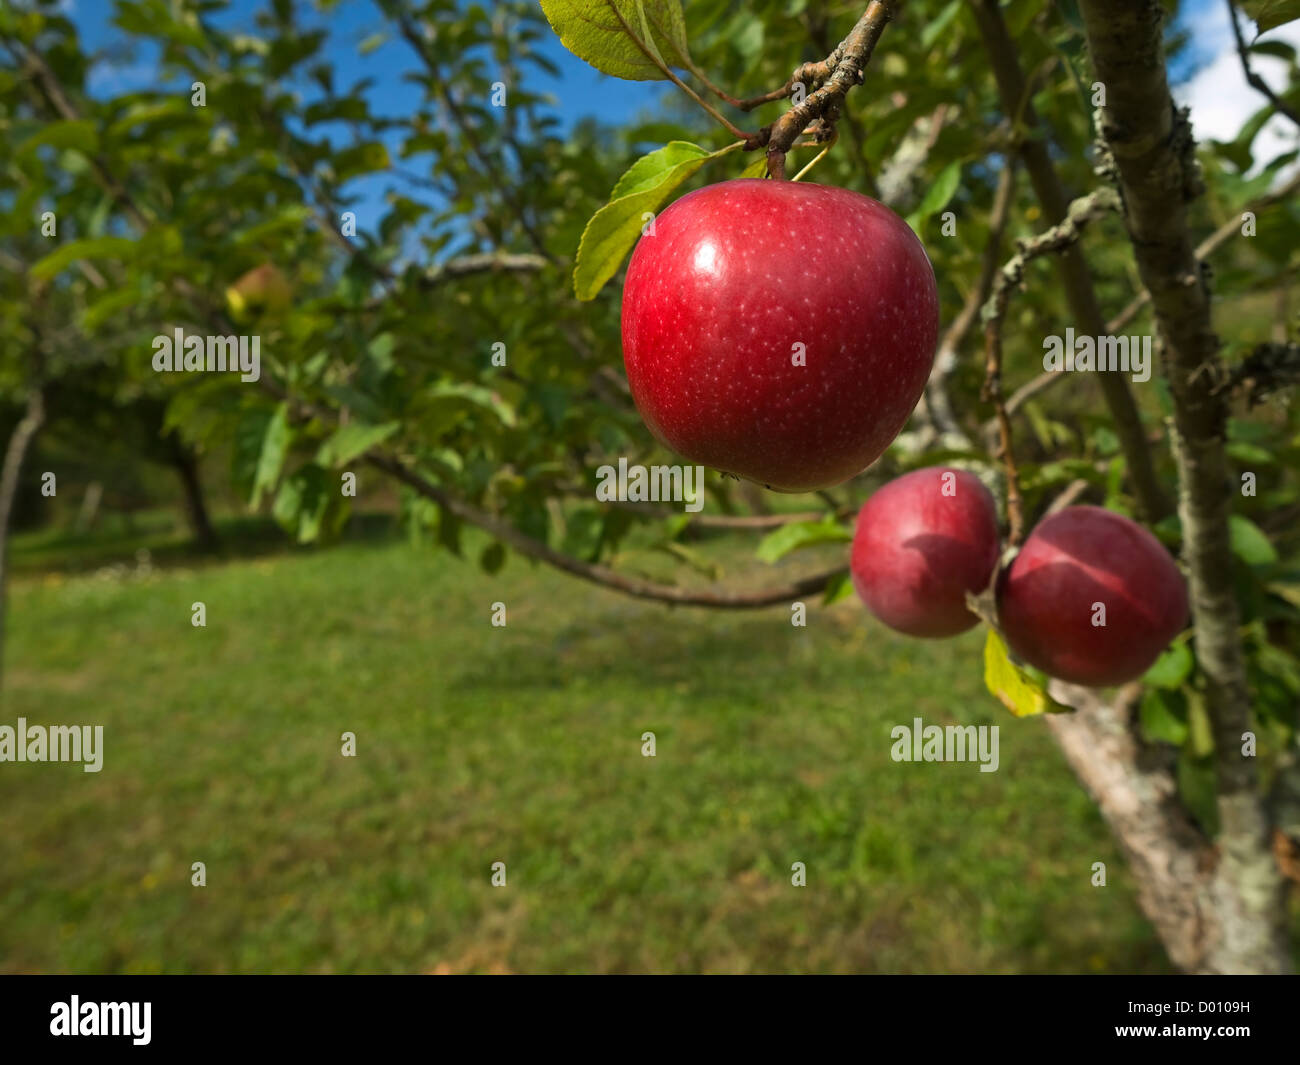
(522, 745)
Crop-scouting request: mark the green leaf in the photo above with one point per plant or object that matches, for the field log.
(1249, 542)
(361, 159)
(840, 586)
(442, 404)
(1268, 14)
(935, 27)
(1172, 668)
(622, 37)
(79, 134)
(309, 504)
(1164, 716)
(93, 248)
(780, 542)
(275, 445)
(937, 195)
(649, 170)
(584, 528)
(1198, 722)
(349, 441)
(1016, 689)
(614, 229)
(756, 169)
(1249, 454)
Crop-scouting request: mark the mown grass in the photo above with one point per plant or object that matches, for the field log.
(522, 745)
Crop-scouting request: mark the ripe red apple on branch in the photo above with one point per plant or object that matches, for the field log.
(779, 331)
(922, 542)
(1092, 598)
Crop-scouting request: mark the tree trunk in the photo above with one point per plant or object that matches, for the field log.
(19, 443)
(186, 464)
(1153, 153)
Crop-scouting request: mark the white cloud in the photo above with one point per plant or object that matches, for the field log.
(1219, 95)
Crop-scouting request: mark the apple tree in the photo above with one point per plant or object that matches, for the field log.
(463, 341)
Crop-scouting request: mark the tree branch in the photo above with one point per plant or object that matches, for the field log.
(1060, 237)
(1121, 321)
(597, 574)
(1254, 80)
(1013, 90)
(838, 73)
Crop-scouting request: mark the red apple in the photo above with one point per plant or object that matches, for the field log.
(1072, 562)
(922, 542)
(778, 330)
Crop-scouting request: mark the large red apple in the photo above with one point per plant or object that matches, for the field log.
(778, 330)
(1073, 562)
(922, 542)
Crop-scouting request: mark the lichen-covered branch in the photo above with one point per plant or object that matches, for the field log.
(834, 76)
(1151, 144)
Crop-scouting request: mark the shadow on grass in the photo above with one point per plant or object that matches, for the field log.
(240, 538)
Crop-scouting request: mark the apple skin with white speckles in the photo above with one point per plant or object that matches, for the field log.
(1073, 560)
(922, 542)
(731, 279)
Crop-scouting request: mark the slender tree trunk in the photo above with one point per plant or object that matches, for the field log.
(1153, 152)
(19, 443)
(186, 464)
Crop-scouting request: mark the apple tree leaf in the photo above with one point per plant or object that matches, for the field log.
(1018, 691)
(650, 170)
(309, 505)
(1163, 715)
(622, 37)
(643, 189)
(275, 445)
(1269, 14)
(1249, 542)
(351, 440)
(1172, 667)
(937, 195)
(780, 542)
(64, 256)
(840, 586)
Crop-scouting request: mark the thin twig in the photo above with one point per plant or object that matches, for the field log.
(1256, 82)
(1059, 237)
(1204, 250)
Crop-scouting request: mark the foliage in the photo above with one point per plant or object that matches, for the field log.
(383, 347)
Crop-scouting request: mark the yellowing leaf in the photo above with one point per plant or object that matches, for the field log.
(1017, 690)
(622, 37)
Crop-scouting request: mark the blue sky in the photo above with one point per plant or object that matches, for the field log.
(581, 90)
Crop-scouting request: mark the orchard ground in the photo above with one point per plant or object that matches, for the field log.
(520, 745)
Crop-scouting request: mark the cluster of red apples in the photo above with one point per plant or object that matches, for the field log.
(1091, 597)
(783, 332)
